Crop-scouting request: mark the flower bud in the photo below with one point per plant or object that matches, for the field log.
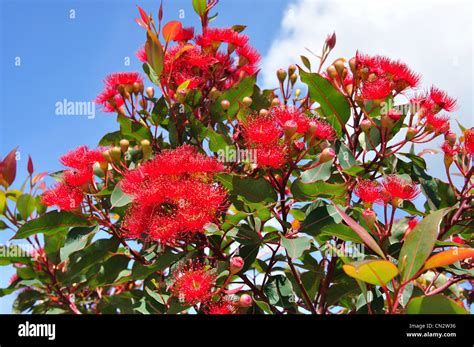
(106, 155)
(214, 94)
(332, 72)
(450, 137)
(298, 92)
(143, 103)
(281, 74)
(331, 41)
(290, 128)
(369, 218)
(340, 67)
(291, 69)
(104, 166)
(247, 101)
(225, 104)
(275, 102)
(137, 87)
(263, 112)
(124, 143)
(352, 65)
(312, 127)
(236, 264)
(366, 125)
(411, 133)
(326, 155)
(293, 79)
(146, 148)
(150, 92)
(245, 300)
(115, 153)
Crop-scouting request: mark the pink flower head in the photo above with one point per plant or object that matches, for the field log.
(368, 191)
(469, 141)
(438, 123)
(290, 113)
(398, 188)
(64, 196)
(223, 306)
(193, 284)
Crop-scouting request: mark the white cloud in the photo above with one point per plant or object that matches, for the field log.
(434, 38)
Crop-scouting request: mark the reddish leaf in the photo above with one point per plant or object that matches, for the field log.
(448, 257)
(141, 23)
(363, 234)
(144, 16)
(171, 30)
(8, 169)
(30, 165)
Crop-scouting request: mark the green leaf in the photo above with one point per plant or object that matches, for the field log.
(342, 232)
(319, 173)
(200, 6)
(50, 223)
(253, 190)
(436, 304)
(217, 142)
(333, 104)
(119, 198)
(26, 204)
(296, 246)
(363, 234)
(306, 62)
(376, 272)
(76, 239)
(318, 218)
(318, 189)
(419, 244)
(345, 157)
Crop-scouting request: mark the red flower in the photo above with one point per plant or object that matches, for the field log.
(261, 130)
(376, 90)
(368, 191)
(396, 188)
(440, 100)
(323, 130)
(81, 158)
(449, 149)
(64, 196)
(193, 284)
(141, 55)
(412, 223)
(271, 156)
(249, 55)
(437, 123)
(110, 100)
(217, 35)
(174, 195)
(290, 113)
(122, 79)
(223, 306)
(469, 141)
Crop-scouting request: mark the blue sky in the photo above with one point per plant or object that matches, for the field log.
(67, 58)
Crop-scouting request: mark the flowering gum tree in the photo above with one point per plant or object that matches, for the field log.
(215, 196)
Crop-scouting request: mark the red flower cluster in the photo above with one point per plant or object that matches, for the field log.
(469, 141)
(193, 283)
(174, 195)
(204, 64)
(392, 189)
(223, 306)
(264, 134)
(117, 85)
(68, 194)
(381, 76)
